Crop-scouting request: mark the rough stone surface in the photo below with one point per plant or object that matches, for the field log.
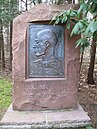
(45, 119)
(43, 93)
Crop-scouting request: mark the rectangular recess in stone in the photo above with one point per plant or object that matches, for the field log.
(45, 51)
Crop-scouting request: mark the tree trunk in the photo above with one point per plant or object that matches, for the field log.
(90, 78)
(0, 52)
(0, 56)
(11, 46)
(81, 60)
(2, 47)
(73, 1)
(26, 5)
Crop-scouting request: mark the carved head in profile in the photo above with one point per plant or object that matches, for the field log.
(45, 42)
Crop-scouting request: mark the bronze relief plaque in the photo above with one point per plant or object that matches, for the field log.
(45, 51)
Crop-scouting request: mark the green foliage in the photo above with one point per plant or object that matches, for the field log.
(88, 6)
(90, 127)
(83, 43)
(83, 26)
(66, 17)
(80, 27)
(91, 29)
(5, 93)
(8, 10)
(83, 9)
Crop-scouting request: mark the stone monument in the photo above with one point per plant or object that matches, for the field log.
(45, 73)
(45, 62)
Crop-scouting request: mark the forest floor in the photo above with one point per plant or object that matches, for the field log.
(87, 93)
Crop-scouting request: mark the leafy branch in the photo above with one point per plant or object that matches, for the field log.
(87, 29)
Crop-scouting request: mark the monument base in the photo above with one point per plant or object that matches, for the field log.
(51, 119)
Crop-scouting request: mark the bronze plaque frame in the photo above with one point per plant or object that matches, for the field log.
(49, 59)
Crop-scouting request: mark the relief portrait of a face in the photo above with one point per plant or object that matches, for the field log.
(46, 51)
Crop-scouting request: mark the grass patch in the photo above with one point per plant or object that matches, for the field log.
(5, 95)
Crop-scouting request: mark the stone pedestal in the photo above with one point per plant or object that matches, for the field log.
(50, 119)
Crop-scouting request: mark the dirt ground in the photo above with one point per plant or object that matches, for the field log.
(88, 95)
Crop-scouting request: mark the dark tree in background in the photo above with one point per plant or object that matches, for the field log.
(90, 77)
(8, 10)
(2, 48)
